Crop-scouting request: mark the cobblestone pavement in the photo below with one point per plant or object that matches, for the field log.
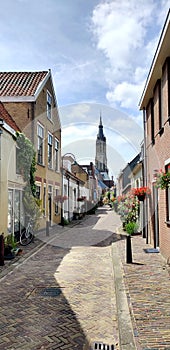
(62, 296)
(147, 286)
(127, 305)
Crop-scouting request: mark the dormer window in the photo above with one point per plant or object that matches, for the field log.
(49, 106)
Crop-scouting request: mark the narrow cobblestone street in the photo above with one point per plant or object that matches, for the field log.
(76, 265)
(75, 290)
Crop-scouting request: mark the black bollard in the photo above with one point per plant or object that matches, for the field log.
(128, 249)
(1, 250)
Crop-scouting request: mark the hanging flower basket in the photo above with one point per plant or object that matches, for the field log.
(141, 192)
(141, 197)
(163, 179)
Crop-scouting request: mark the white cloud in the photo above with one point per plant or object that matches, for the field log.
(120, 29)
(82, 131)
(125, 32)
(164, 6)
(125, 94)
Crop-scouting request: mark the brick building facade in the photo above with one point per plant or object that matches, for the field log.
(155, 103)
(30, 99)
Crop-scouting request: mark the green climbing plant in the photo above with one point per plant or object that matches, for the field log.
(26, 162)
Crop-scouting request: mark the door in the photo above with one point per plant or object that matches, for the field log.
(15, 212)
(10, 211)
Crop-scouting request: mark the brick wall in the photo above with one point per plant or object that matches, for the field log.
(27, 115)
(157, 153)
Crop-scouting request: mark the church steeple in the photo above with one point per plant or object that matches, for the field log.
(101, 159)
(100, 135)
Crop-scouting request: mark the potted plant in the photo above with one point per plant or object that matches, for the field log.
(163, 179)
(141, 192)
(9, 247)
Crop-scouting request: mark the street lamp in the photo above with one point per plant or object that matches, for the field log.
(62, 183)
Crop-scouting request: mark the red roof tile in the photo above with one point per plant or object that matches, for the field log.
(20, 83)
(7, 118)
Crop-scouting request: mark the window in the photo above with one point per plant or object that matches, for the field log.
(65, 190)
(49, 105)
(168, 77)
(167, 169)
(18, 170)
(152, 122)
(40, 135)
(56, 154)
(168, 206)
(160, 103)
(50, 146)
(38, 191)
(15, 212)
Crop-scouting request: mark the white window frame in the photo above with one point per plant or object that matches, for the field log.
(40, 143)
(167, 168)
(49, 105)
(168, 203)
(50, 150)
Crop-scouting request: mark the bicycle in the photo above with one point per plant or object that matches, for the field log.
(27, 235)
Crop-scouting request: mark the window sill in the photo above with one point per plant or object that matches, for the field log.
(167, 222)
(41, 165)
(168, 120)
(50, 120)
(161, 131)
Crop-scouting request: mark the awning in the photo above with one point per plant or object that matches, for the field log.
(101, 184)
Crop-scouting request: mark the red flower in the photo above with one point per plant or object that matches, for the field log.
(141, 191)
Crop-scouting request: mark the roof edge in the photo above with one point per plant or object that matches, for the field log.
(162, 35)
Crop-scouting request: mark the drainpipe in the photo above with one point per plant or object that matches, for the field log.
(145, 212)
(68, 198)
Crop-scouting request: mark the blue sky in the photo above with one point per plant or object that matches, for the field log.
(99, 53)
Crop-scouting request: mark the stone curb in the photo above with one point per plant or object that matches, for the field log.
(126, 336)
